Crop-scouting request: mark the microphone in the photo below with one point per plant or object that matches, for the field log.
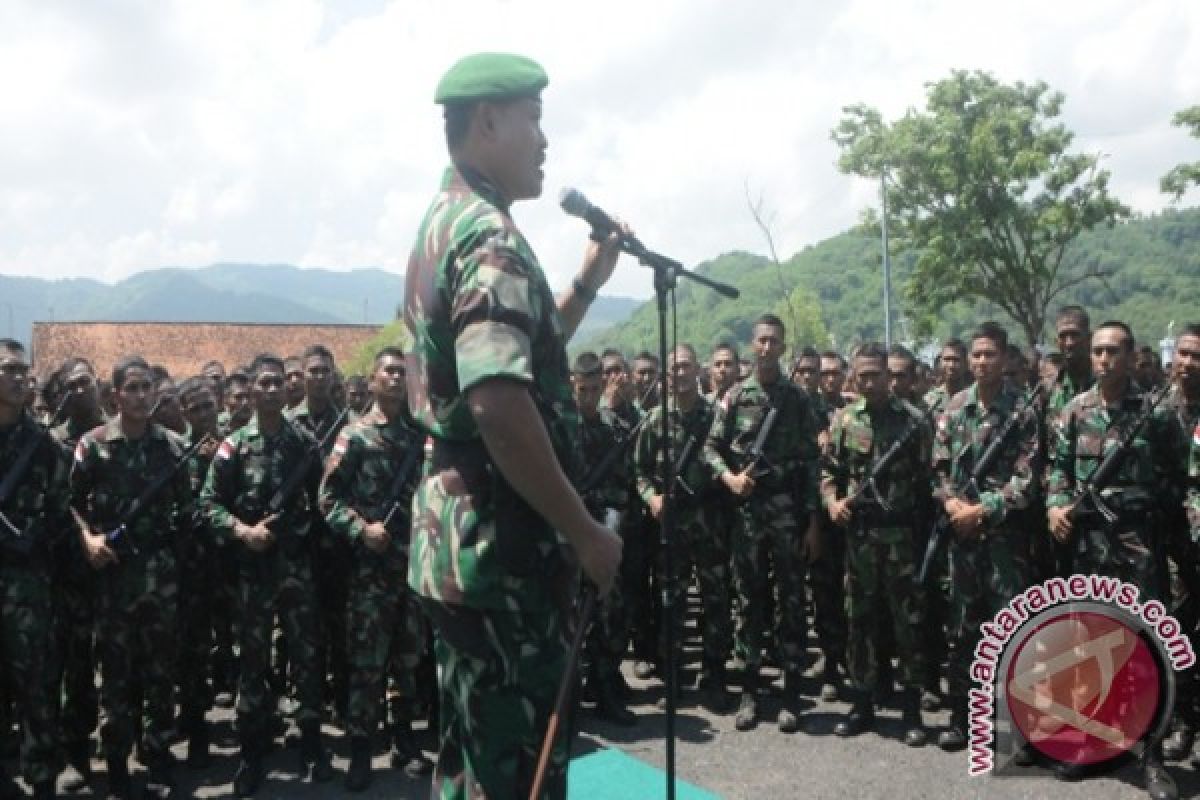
(576, 204)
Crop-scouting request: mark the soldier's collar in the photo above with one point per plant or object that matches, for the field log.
(462, 178)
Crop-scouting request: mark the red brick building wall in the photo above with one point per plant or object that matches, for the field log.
(184, 347)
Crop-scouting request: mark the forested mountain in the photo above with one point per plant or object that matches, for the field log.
(837, 288)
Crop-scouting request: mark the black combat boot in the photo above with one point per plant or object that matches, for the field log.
(789, 712)
(860, 718)
(119, 786)
(406, 755)
(78, 773)
(1178, 745)
(358, 774)
(44, 790)
(747, 713)
(198, 756)
(831, 680)
(954, 738)
(160, 782)
(910, 716)
(713, 695)
(609, 705)
(312, 753)
(1159, 783)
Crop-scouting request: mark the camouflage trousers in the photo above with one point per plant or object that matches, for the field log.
(698, 547)
(195, 630)
(498, 675)
(1134, 554)
(882, 596)
(331, 571)
(386, 631)
(26, 632)
(827, 578)
(985, 574)
(768, 529)
(74, 659)
(135, 639)
(276, 582)
(638, 579)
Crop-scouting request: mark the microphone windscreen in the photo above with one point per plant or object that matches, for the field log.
(573, 202)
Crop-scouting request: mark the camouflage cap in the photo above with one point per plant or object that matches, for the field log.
(487, 76)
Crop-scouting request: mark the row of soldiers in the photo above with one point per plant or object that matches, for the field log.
(151, 544)
(840, 475)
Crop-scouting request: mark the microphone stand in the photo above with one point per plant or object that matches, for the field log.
(666, 271)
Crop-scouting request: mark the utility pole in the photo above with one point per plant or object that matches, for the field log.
(887, 266)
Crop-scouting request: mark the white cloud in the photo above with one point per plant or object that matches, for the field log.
(303, 131)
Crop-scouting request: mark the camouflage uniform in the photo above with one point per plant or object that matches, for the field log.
(139, 596)
(987, 571)
(880, 557)
(331, 565)
(197, 575)
(249, 467)
(935, 400)
(495, 578)
(608, 636)
(827, 575)
(75, 584)
(697, 544)
(1146, 488)
(771, 520)
(385, 624)
(37, 507)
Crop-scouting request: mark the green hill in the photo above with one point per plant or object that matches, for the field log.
(1155, 262)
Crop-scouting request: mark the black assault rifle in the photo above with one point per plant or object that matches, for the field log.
(396, 510)
(13, 537)
(295, 479)
(971, 489)
(867, 495)
(596, 475)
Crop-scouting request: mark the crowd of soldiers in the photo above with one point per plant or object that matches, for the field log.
(237, 538)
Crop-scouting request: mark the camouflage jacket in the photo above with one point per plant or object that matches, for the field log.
(37, 504)
(1185, 413)
(249, 467)
(697, 476)
(1192, 502)
(69, 432)
(858, 438)
(965, 431)
(361, 473)
(1087, 431)
(599, 436)
(477, 307)
(322, 426)
(110, 471)
(791, 449)
(1064, 392)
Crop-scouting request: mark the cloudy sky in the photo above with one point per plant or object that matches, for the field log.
(146, 134)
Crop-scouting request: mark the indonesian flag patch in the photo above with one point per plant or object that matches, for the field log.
(225, 451)
(1196, 436)
(81, 451)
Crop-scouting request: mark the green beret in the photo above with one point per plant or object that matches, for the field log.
(487, 76)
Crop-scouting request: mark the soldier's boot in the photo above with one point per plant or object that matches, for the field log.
(915, 734)
(312, 753)
(747, 713)
(358, 774)
(77, 774)
(954, 738)
(713, 695)
(609, 705)
(831, 680)
(160, 782)
(789, 712)
(860, 718)
(406, 755)
(1159, 783)
(1178, 745)
(119, 785)
(198, 755)
(250, 771)
(44, 790)
(931, 696)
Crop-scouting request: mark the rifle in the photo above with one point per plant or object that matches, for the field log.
(686, 455)
(396, 510)
(1106, 471)
(867, 494)
(295, 479)
(755, 461)
(14, 538)
(972, 488)
(596, 475)
(117, 537)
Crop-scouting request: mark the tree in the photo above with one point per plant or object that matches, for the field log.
(806, 325)
(981, 188)
(1177, 181)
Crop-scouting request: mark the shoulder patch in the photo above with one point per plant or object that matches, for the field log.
(81, 450)
(225, 451)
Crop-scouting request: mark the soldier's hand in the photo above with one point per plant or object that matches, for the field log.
(740, 483)
(600, 258)
(1060, 522)
(966, 519)
(840, 511)
(600, 556)
(258, 537)
(376, 537)
(656, 506)
(97, 552)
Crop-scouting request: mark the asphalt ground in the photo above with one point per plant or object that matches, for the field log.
(710, 754)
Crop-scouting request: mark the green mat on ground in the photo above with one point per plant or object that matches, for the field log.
(613, 775)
